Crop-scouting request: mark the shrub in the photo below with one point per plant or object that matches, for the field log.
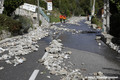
(25, 22)
(115, 25)
(10, 24)
(96, 21)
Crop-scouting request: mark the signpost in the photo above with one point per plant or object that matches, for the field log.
(38, 13)
(49, 7)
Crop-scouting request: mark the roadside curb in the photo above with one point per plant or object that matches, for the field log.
(107, 39)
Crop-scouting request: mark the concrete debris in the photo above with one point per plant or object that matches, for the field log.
(75, 20)
(2, 50)
(1, 68)
(41, 73)
(48, 77)
(109, 42)
(54, 56)
(83, 63)
(20, 45)
(18, 60)
(74, 75)
(65, 29)
(54, 47)
(98, 37)
(5, 56)
(8, 62)
(88, 22)
(99, 44)
(53, 60)
(100, 73)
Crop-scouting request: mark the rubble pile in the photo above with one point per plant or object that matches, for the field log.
(66, 29)
(19, 46)
(88, 22)
(99, 76)
(75, 20)
(74, 75)
(109, 42)
(53, 58)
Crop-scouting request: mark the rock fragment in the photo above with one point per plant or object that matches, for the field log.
(1, 68)
(20, 45)
(48, 77)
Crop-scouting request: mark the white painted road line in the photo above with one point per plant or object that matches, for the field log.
(34, 75)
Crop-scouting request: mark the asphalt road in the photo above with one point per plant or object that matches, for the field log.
(86, 55)
(87, 51)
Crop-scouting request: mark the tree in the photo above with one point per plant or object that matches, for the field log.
(115, 18)
(11, 5)
(117, 3)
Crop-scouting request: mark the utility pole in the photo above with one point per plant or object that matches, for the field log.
(93, 9)
(91, 6)
(106, 17)
(38, 13)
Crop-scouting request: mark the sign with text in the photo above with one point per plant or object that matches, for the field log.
(49, 6)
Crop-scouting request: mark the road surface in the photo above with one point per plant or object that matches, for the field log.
(86, 55)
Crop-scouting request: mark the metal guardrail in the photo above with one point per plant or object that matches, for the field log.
(44, 15)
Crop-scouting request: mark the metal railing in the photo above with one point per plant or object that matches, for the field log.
(44, 15)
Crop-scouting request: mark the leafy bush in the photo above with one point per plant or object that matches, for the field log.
(96, 21)
(26, 23)
(115, 25)
(10, 24)
(11, 5)
(40, 22)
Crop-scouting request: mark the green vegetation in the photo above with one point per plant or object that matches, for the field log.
(11, 5)
(26, 23)
(67, 7)
(54, 17)
(7, 23)
(115, 18)
(76, 7)
(96, 21)
(117, 4)
(19, 25)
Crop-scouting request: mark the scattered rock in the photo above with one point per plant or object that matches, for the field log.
(2, 50)
(20, 45)
(41, 73)
(1, 68)
(48, 77)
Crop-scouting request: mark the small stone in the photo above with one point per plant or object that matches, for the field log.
(41, 73)
(63, 72)
(95, 74)
(83, 63)
(40, 60)
(100, 73)
(1, 68)
(52, 72)
(8, 62)
(99, 44)
(48, 77)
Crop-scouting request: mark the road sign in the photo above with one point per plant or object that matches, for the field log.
(49, 6)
